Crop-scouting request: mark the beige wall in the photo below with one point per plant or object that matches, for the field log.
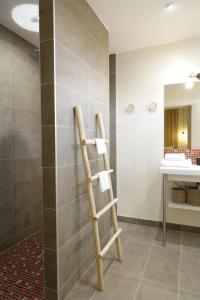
(74, 72)
(20, 140)
(141, 76)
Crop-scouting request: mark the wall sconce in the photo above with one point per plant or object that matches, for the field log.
(152, 107)
(191, 79)
(130, 109)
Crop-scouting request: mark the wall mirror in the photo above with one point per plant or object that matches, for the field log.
(182, 117)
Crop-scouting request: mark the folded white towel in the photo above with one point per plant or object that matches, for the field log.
(179, 164)
(101, 146)
(104, 181)
(175, 156)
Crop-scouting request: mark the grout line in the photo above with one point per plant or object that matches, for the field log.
(145, 266)
(178, 297)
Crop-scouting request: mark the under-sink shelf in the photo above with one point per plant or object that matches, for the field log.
(183, 206)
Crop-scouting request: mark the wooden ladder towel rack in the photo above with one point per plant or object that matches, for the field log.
(95, 216)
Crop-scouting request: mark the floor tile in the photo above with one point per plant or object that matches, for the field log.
(173, 239)
(86, 287)
(152, 291)
(117, 287)
(127, 230)
(163, 266)
(190, 242)
(135, 255)
(144, 234)
(190, 272)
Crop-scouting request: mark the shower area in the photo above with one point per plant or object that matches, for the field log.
(21, 262)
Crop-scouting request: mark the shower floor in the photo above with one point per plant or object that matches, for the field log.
(21, 270)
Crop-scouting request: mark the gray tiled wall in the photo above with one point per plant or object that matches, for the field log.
(113, 136)
(80, 62)
(20, 140)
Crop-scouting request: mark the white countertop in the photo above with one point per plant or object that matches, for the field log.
(193, 171)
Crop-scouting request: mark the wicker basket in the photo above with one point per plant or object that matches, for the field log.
(193, 196)
(179, 195)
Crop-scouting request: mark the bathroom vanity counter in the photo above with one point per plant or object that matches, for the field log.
(193, 171)
(191, 174)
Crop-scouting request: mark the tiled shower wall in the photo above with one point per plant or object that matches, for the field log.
(74, 58)
(20, 140)
(113, 135)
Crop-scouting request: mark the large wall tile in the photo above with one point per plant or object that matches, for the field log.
(46, 20)
(79, 9)
(49, 187)
(50, 262)
(5, 118)
(7, 213)
(78, 250)
(48, 146)
(73, 74)
(25, 97)
(70, 32)
(7, 223)
(96, 107)
(29, 215)
(26, 121)
(98, 87)
(25, 144)
(20, 136)
(26, 69)
(72, 219)
(66, 100)
(5, 144)
(26, 194)
(47, 66)
(71, 184)
(50, 294)
(68, 148)
(49, 220)
(47, 105)
(6, 176)
(5, 64)
(97, 57)
(5, 100)
(27, 170)
(95, 28)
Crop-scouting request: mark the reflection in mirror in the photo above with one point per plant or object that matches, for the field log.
(182, 115)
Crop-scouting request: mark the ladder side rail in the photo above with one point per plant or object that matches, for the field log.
(110, 191)
(81, 132)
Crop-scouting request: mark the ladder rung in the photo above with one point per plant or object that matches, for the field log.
(109, 244)
(96, 177)
(105, 209)
(90, 142)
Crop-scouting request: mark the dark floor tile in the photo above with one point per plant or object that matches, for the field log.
(117, 287)
(144, 234)
(152, 291)
(135, 255)
(190, 272)
(173, 239)
(190, 242)
(163, 267)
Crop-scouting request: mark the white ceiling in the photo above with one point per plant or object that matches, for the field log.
(136, 24)
(6, 7)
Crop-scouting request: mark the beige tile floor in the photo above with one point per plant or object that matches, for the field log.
(149, 271)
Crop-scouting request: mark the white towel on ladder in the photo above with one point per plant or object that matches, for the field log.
(101, 146)
(104, 181)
